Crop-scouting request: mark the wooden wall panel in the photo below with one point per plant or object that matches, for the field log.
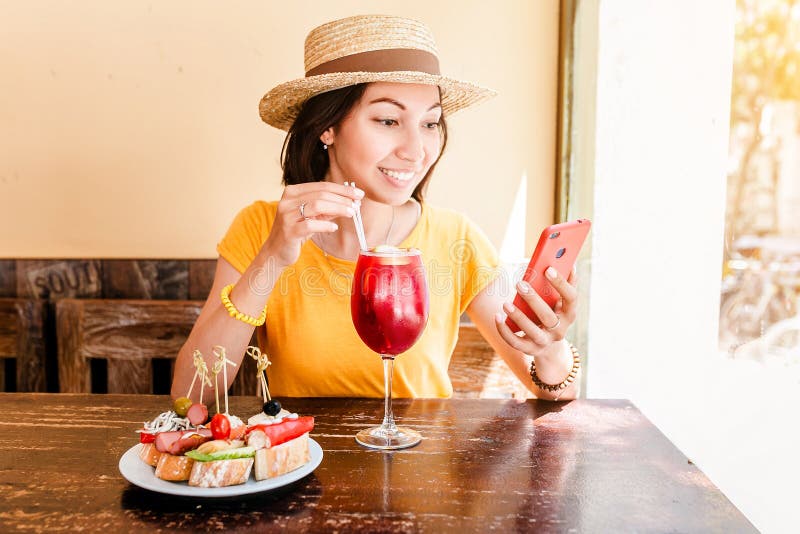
(55, 279)
(21, 338)
(146, 279)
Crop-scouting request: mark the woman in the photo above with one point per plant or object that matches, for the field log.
(371, 109)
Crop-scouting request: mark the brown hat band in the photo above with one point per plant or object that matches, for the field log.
(389, 60)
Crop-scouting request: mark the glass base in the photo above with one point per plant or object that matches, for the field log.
(378, 438)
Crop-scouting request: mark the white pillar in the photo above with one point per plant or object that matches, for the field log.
(661, 144)
(650, 115)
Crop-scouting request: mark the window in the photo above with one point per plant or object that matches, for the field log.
(761, 273)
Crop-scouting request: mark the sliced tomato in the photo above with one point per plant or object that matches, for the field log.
(286, 430)
(146, 437)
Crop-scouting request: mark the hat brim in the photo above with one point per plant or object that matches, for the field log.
(280, 106)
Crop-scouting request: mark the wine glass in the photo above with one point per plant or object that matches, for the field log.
(389, 306)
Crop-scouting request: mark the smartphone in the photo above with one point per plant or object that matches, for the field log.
(558, 247)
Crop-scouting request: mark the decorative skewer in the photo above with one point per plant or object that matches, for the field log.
(201, 371)
(196, 357)
(262, 362)
(215, 369)
(222, 361)
(203, 379)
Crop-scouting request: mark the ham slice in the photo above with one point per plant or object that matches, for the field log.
(164, 440)
(188, 441)
(180, 441)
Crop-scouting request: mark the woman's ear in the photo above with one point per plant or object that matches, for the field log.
(327, 136)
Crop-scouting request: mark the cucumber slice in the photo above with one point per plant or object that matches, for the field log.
(228, 454)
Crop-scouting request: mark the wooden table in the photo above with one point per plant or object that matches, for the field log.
(580, 466)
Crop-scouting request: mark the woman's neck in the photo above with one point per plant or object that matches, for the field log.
(378, 219)
(383, 225)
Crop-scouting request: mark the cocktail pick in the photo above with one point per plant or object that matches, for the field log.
(203, 379)
(200, 370)
(262, 362)
(215, 369)
(221, 365)
(197, 357)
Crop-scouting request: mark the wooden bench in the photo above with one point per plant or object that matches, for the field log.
(21, 339)
(130, 334)
(476, 371)
(126, 334)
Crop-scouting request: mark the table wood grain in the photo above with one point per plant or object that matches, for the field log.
(484, 465)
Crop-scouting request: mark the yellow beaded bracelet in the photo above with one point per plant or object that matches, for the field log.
(236, 314)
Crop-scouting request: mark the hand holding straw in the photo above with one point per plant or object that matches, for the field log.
(362, 239)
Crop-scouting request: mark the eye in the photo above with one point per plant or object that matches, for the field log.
(431, 125)
(386, 122)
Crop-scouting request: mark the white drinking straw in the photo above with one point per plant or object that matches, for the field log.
(362, 239)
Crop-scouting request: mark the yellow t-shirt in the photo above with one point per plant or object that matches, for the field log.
(309, 334)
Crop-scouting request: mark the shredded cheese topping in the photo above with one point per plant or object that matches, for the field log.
(166, 422)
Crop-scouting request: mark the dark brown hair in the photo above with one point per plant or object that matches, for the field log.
(302, 157)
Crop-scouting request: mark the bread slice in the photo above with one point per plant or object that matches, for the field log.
(149, 454)
(174, 468)
(281, 459)
(220, 473)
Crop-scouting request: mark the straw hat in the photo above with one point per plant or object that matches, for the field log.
(367, 48)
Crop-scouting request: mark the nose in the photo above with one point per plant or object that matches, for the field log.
(412, 147)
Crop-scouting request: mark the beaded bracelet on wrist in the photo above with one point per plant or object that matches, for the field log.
(236, 314)
(576, 365)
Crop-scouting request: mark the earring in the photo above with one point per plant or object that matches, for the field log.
(324, 146)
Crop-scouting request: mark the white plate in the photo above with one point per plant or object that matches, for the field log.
(140, 474)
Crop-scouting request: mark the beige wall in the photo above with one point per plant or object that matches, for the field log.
(131, 129)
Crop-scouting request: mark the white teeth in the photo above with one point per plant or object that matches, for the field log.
(399, 175)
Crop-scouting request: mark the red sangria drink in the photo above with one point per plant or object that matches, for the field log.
(389, 307)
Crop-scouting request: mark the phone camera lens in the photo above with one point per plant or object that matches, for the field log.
(555, 235)
(560, 252)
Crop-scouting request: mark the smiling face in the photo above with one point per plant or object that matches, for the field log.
(388, 142)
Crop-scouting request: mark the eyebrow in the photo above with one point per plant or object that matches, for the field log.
(399, 105)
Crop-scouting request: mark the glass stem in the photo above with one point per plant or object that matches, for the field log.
(388, 418)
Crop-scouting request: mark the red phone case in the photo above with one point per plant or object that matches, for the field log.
(564, 239)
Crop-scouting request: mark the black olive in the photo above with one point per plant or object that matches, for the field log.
(272, 407)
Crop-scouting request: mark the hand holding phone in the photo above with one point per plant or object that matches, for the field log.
(558, 247)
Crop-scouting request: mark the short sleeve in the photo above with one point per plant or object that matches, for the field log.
(246, 234)
(477, 263)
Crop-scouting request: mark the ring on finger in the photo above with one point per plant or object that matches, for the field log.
(558, 323)
(303, 210)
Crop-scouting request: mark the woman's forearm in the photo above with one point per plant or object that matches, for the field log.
(552, 365)
(551, 368)
(215, 326)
